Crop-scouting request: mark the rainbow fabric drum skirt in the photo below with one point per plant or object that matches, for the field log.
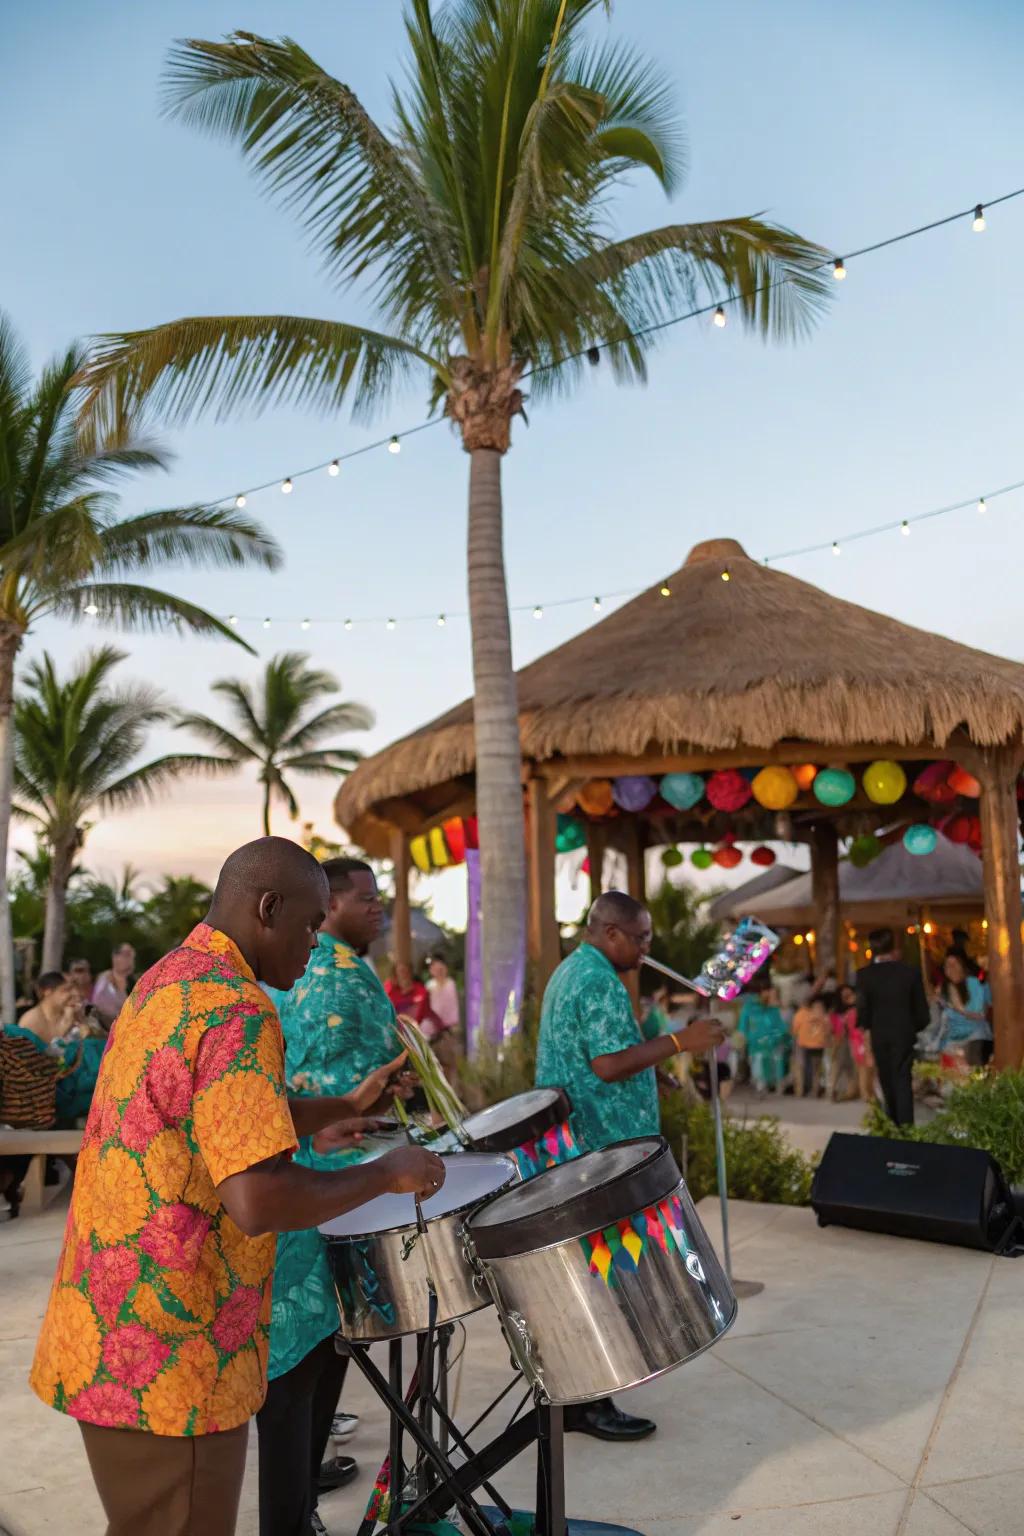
(602, 1272)
(381, 1261)
(532, 1127)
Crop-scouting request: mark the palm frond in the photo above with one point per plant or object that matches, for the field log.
(203, 536)
(328, 760)
(145, 784)
(127, 605)
(235, 749)
(346, 716)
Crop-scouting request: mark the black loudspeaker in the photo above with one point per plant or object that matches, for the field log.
(914, 1189)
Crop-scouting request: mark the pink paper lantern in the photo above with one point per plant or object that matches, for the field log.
(728, 790)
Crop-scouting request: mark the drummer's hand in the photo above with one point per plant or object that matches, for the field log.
(347, 1133)
(376, 1093)
(413, 1171)
(702, 1035)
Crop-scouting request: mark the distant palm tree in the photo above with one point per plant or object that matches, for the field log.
(63, 551)
(75, 740)
(481, 225)
(174, 909)
(274, 731)
(684, 935)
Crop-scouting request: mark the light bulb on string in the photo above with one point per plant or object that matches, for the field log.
(394, 446)
(665, 589)
(91, 609)
(835, 547)
(240, 499)
(348, 623)
(334, 468)
(726, 576)
(597, 605)
(266, 623)
(719, 318)
(538, 612)
(905, 529)
(390, 624)
(441, 621)
(286, 486)
(304, 624)
(982, 506)
(978, 222)
(233, 620)
(838, 269)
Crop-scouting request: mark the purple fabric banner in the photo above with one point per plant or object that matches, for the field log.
(474, 956)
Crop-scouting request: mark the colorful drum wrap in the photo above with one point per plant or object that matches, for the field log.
(620, 1247)
(557, 1145)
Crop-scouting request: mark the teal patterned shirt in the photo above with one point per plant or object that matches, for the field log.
(587, 1013)
(338, 1026)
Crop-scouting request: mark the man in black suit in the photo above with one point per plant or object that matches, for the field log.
(891, 1005)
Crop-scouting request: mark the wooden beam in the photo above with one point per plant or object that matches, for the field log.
(825, 885)
(788, 752)
(997, 769)
(544, 949)
(401, 916)
(597, 844)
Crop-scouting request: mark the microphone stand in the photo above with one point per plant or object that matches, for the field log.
(742, 1288)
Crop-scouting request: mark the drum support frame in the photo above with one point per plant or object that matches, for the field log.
(427, 1421)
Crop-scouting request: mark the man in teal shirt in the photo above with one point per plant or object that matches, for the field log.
(339, 1027)
(591, 1045)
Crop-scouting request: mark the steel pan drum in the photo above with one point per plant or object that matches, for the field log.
(602, 1272)
(380, 1260)
(532, 1127)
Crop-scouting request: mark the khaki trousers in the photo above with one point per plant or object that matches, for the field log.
(167, 1485)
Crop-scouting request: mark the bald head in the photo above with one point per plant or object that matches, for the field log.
(271, 898)
(620, 927)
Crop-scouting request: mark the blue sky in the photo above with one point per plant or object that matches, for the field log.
(847, 122)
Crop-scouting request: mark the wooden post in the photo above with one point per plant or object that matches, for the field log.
(401, 918)
(636, 885)
(542, 931)
(825, 885)
(597, 842)
(997, 769)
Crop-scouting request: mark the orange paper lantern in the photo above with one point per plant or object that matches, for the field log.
(964, 783)
(805, 776)
(727, 857)
(595, 797)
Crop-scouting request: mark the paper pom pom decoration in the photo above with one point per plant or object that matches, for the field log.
(585, 866)
(764, 857)
(963, 783)
(956, 828)
(775, 788)
(471, 829)
(438, 849)
(864, 850)
(932, 784)
(702, 858)
(571, 834)
(974, 835)
(420, 854)
(728, 790)
(671, 858)
(834, 786)
(920, 838)
(595, 797)
(455, 837)
(634, 791)
(682, 790)
(727, 857)
(566, 803)
(884, 782)
(805, 775)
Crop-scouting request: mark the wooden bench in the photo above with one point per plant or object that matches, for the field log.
(38, 1145)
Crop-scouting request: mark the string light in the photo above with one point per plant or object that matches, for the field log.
(597, 605)
(286, 486)
(839, 269)
(240, 499)
(394, 446)
(978, 222)
(982, 506)
(665, 589)
(905, 529)
(538, 612)
(334, 468)
(719, 318)
(266, 623)
(348, 623)
(441, 621)
(726, 576)
(304, 624)
(835, 547)
(91, 609)
(390, 624)
(233, 620)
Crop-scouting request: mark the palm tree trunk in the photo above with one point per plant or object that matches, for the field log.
(499, 795)
(266, 811)
(10, 641)
(61, 861)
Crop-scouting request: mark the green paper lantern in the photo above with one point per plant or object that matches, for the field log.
(834, 786)
(702, 858)
(671, 858)
(571, 834)
(864, 850)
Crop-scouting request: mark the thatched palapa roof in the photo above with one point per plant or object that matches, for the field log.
(752, 661)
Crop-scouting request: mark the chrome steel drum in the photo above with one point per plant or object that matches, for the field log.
(532, 1127)
(380, 1260)
(602, 1272)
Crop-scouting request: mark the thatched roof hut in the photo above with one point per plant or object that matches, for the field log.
(732, 663)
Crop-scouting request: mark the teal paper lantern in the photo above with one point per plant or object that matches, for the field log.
(682, 790)
(571, 834)
(671, 858)
(920, 838)
(702, 858)
(834, 786)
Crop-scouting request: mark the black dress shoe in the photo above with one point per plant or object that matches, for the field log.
(606, 1422)
(336, 1473)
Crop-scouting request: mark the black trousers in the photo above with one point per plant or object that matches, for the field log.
(894, 1060)
(294, 1427)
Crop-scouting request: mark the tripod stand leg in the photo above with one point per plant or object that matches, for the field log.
(550, 1518)
(396, 1471)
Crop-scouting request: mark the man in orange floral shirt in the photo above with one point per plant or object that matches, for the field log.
(155, 1337)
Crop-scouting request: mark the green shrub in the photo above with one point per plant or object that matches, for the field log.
(985, 1110)
(493, 1075)
(760, 1163)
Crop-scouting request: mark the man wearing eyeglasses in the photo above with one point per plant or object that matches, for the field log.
(591, 1045)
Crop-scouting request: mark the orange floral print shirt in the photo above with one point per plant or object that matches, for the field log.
(159, 1316)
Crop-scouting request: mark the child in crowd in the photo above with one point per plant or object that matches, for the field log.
(811, 1034)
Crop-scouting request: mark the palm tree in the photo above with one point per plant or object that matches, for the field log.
(481, 225)
(63, 551)
(174, 909)
(685, 936)
(273, 730)
(75, 740)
